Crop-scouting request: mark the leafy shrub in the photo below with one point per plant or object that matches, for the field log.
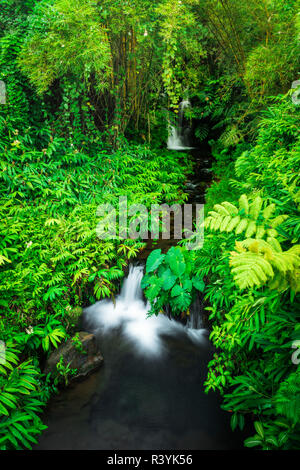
(169, 281)
(252, 285)
(249, 268)
(20, 402)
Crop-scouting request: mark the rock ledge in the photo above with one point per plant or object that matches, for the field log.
(86, 359)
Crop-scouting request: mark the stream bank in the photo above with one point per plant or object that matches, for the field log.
(149, 392)
(195, 187)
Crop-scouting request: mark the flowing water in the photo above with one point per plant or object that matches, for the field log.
(149, 394)
(179, 134)
(130, 316)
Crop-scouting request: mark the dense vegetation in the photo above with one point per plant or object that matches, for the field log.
(90, 86)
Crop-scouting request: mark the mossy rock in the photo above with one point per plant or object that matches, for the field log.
(84, 361)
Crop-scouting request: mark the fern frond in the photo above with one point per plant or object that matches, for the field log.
(256, 262)
(249, 218)
(244, 204)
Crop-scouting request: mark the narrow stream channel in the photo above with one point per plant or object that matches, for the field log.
(149, 394)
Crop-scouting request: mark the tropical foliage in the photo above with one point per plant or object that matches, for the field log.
(250, 265)
(169, 282)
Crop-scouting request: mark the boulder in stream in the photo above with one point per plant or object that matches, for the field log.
(80, 354)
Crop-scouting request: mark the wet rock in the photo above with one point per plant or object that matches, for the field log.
(81, 354)
(191, 186)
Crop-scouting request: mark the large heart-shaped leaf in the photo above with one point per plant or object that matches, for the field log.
(182, 299)
(154, 288)
(154, 260)
(176, 261)
(188, 285)
(169, 279)
(146, 281)
(198, 284)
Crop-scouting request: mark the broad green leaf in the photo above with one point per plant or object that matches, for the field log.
(252, 442)
(154, 260)
(176, 261)
(198, 284)
(168, 279)
(154, 288)
(259, 429)
(188, 285)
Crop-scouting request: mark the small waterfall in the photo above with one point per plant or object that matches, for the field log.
(178, 138)
(129, 313)
(131, 290)
(195, 321)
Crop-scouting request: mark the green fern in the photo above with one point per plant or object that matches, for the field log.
(231, 136)
(287, 399)
(248, 218)
(257, 262)
(20, 403)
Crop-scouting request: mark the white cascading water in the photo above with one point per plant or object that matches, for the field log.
(129, 312)
(176, 137)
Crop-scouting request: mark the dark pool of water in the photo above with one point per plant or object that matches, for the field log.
(136, 402)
